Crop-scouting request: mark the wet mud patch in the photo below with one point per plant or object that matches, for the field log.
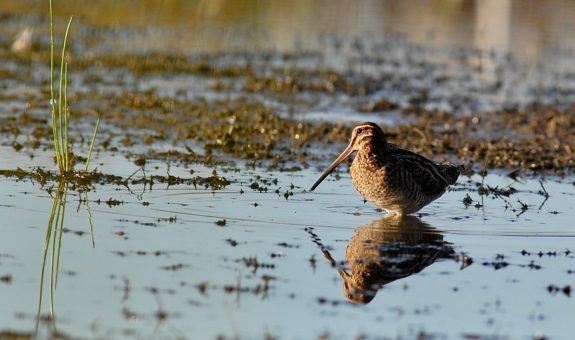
(256, 133)
(248, 120)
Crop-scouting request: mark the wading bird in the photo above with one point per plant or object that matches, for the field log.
(397, 180)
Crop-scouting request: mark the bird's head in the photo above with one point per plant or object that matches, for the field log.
(363, 136)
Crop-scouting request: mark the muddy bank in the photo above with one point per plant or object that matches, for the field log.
(281, 110)
(534, 139)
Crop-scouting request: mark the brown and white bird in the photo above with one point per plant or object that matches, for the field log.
(397, 180)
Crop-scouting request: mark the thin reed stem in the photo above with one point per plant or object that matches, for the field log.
(52, 97)
(87, 202)
(65, 113)
(63, 106)
(89, 157)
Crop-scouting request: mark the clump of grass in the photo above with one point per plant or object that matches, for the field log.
(60, 109)
(64, 160)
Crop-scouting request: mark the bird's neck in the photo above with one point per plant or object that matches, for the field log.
(373, 153)
(378, 146)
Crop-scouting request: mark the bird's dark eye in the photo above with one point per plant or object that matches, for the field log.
(359, 131)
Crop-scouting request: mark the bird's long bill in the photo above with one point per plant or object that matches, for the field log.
(348, 151)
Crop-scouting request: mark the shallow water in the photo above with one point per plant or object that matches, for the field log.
(168, 270)
(262, 257)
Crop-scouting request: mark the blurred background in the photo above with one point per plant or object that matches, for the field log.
(525, 27)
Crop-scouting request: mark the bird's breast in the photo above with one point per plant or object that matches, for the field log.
(369, 177)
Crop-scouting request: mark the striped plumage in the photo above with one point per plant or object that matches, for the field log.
(398, 180)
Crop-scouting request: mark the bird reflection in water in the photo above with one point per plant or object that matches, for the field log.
(385, 250)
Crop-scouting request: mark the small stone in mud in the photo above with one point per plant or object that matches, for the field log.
(467, 200)
(221, 223)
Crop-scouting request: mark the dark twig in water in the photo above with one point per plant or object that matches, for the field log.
(544, 193)
(543, 203)
(524, 207)
(483, 172)
(507, 204)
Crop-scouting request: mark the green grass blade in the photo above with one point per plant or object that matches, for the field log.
(63, 106)
(51, 54)
(52, 97)
(66, 149)
(89, 157)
